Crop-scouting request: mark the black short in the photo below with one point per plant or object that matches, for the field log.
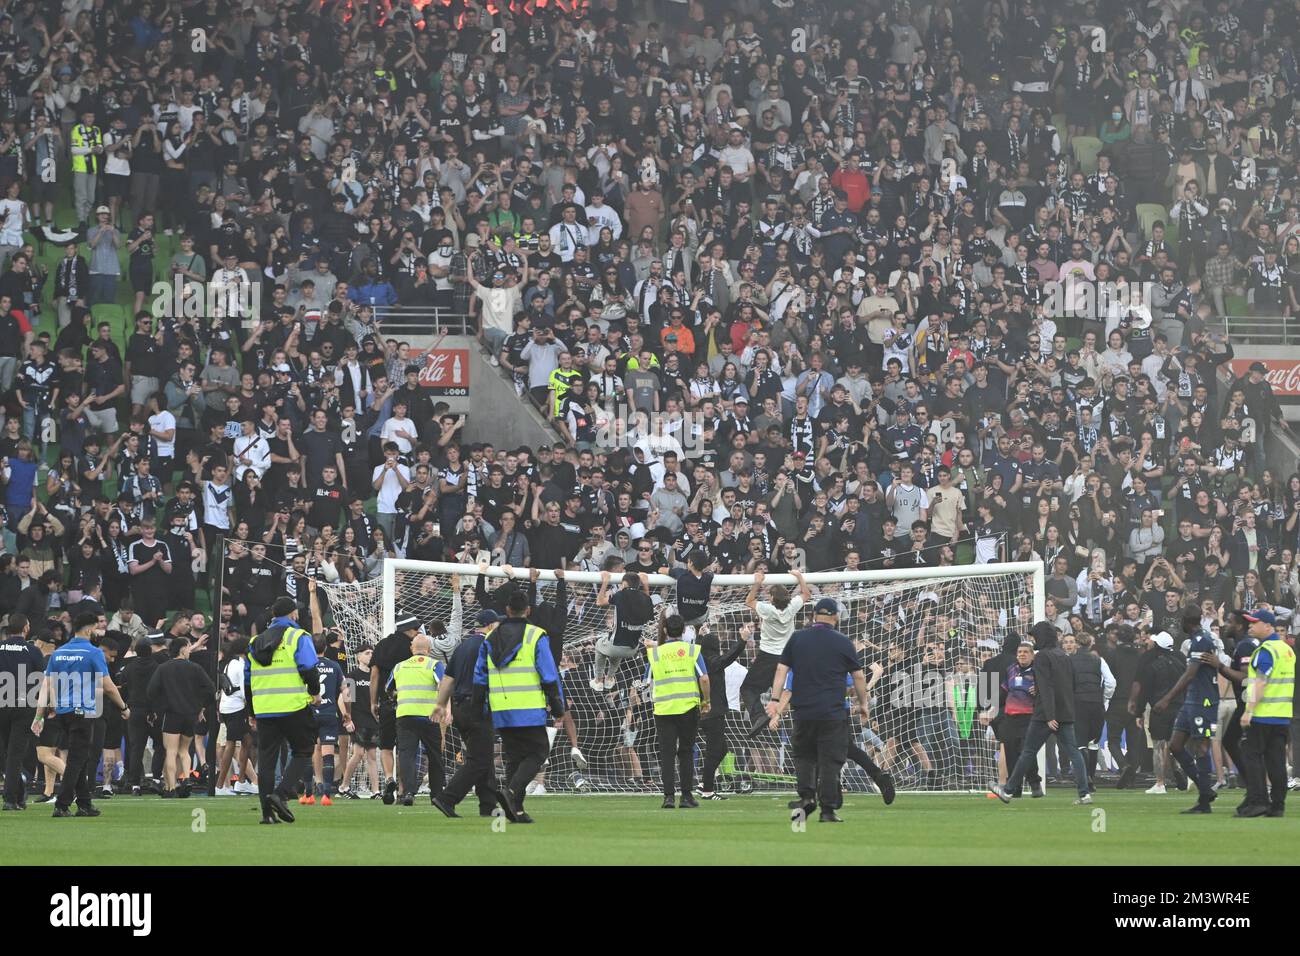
(236, 725)
(114, 728)
(52, 734)
(366, 736)
(182, 724)
(1161, 725)
(387, 726)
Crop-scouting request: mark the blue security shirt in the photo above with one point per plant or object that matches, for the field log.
(77, 670)
(1264, 665)
(821, 657)
(304, 655)
(848, 688)
(1203, 691)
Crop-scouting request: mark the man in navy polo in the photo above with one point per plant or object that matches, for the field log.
(822, 660)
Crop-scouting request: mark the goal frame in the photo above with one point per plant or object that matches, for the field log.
(876, 575)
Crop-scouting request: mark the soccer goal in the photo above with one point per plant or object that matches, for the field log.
(929, 629)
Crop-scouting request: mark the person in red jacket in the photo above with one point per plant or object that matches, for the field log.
(853, 182)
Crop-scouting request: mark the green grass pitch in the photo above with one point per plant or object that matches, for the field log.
(1131, 828)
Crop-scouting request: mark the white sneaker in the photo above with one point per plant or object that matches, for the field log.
(244, 787)
(494, 361)
(365, 794)
(611, 682)
(226, 791)
(579, 760)
(1293, 783)
(596, 684)
(423, 791)
(1158, 790)
(535, 788)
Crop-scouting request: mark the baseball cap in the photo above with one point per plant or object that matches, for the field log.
(406, 622)
(104, 209)
(1261, 614)
(827, 606)
(487, 616)
(1163, 639)
(282, 367)
(1258, 367)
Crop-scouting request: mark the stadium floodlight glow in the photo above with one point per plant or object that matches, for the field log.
(930, 626)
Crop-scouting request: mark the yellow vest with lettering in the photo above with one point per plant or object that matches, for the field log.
(85, 136)
(416, 682)
(672, 671)
(1277, 699)
(278, 688)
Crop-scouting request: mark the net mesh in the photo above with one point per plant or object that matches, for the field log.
(922, 639)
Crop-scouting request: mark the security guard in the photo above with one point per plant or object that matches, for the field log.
(75, 680)
(415, 682)
(21, 663)
(681, 694)
(87, 158)
(1266, 722)
(478, 768)
(517, 676)
(280, 684)
(389, 652)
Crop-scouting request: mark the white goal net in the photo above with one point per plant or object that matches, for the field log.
(926, 630)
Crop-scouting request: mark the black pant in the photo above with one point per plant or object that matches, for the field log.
(1120, 723)
(676, 734)
(524, 750)
(820, 749)
(138, 732)
(758, 679)
(411, 732)
(1014, 729)
(714, 729)
(1232, 739)
(79, 732)
(16, 734)
(1263, 747)
(298, 731)
(478, 767)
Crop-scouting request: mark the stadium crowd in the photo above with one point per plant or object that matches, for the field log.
(798, 259)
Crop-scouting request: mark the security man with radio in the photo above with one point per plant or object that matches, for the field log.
(516, 675)
(415, 683)
(1266, 722)
(87, 148)
(680, 681)
(478, 769)
(281, 684)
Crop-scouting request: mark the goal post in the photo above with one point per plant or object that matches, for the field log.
(929, 628)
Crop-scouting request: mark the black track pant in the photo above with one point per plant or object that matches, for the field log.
(524, 750)
(139, 732)
(80, 734)
(714, 731)
(411, 732)
(16, 734)
(676, 733)
(820, 749)
(298, 732)
(478, 768)
(1264, 748)
(1232, 739)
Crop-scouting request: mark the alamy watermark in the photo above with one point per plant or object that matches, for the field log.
(622, 426)
(183, 298)
(1086, 297)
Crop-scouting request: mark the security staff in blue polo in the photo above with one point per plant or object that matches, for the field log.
(822, 660)
(281, 684)
(414, 682)
(21, 664)
(473, 724)
(517, 676)
(1266, 723)
(73, 690)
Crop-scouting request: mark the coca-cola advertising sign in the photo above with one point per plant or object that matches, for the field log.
(446, 372)
(1282, 374)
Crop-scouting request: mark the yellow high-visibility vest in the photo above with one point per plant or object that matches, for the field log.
(518, 685)
(1277, 699)
(416, 681)
(676, 685)
(86, 136)
(277, 687)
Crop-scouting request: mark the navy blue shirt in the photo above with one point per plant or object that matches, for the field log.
(692, 592)
(821, 658)
(460, 668)
(22, 663)
(331, 682)
(1203, 691)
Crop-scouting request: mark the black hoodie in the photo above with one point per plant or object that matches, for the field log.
(1053, 677)
(998, 664)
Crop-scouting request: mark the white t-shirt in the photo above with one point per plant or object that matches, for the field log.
(162, 422)
(775, 626)
(390, 489)
(392, 427)
(12, 232)
(234, 703)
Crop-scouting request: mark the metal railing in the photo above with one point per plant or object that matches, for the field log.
(1262, 329)
(424, 320)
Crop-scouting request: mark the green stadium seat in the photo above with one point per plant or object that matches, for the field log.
(1148, 214)
(1085, 150)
